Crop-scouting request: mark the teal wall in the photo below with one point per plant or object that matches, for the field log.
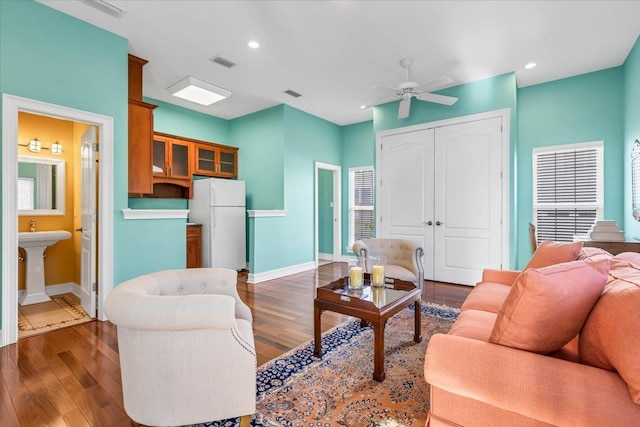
(358, 149)
(583, 108)
(631, 69)
(496, 93)
(260, 138)
(325, 211)
(49, 56)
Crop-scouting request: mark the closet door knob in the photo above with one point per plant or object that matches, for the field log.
(439, 223)
(428, 223)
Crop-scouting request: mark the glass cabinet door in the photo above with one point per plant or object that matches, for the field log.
(228, 164)
(179, 160)
(205, 160)
(159, 157)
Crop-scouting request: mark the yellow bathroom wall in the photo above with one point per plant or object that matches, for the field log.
(61, 263)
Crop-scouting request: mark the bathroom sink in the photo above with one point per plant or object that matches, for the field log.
(34, 244)
(29, 239)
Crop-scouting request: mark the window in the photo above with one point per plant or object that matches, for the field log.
(361, 189)
(567, 190)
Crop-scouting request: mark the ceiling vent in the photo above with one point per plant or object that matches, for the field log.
(292, 93)
(222, 61)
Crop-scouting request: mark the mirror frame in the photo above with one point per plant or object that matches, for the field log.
(60, 186)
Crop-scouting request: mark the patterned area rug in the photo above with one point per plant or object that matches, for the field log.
(298, 389)
(62, 311)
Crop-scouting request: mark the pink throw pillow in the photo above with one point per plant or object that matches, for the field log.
(610, 338)
(547, 307)
(550, 253)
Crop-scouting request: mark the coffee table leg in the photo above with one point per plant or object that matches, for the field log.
(417, 335)
(317, 335)
(378, 351)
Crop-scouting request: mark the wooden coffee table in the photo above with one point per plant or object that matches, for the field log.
(371, 304)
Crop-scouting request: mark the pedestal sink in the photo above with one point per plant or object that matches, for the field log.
(34, 243)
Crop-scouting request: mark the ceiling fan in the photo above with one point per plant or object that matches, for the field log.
(407, 90)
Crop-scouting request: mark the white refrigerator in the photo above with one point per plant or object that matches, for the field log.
(219, 205)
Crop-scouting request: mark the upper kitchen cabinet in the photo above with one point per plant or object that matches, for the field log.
(140, 133)
(172, 161)
(215, 160)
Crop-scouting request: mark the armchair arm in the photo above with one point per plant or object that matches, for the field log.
(505, 277)
(541, 387)
(161, 313)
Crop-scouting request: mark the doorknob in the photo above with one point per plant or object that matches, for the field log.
(78, 229)
(439, 223)
(428, 223)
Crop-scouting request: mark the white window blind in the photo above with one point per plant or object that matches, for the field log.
(567, 190)
(361, 198)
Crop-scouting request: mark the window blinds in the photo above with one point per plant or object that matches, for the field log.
(361, 203)
(568, 190)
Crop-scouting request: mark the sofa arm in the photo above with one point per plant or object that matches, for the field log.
(505, 277)
(162, 313)
(540, 387)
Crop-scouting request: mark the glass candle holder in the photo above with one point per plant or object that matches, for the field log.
(356, 273)
(378, 266)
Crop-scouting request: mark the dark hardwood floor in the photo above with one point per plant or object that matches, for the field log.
(71, 377)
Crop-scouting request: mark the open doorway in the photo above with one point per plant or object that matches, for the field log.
(102, 127)
(328, 235)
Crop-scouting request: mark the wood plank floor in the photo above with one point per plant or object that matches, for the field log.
(71, 377)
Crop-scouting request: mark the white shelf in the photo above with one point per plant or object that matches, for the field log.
(155, 213)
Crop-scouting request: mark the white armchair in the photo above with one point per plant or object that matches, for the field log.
(186, 347)
(404, 257)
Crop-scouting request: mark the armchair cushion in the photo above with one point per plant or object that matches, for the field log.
(404, 257)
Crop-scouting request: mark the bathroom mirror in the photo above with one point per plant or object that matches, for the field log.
(40, 186)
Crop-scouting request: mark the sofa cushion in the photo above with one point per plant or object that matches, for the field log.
(550, 253)
(589, 253)
(547, 307)
(474, 324)
(610, 338)
(486, 296)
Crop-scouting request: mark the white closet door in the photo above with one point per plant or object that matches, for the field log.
(406, 190)
(468, 200)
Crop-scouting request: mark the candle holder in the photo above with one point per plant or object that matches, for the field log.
(356, 273)
(378, 267)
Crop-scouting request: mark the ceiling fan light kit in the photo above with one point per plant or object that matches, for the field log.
(409, 89)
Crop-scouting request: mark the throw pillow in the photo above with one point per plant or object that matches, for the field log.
(610, 338)
(547, 307)
(550, 253)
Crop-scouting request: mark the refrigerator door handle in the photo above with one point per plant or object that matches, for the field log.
(213, 218)
(213, 194)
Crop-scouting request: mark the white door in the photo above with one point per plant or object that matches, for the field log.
(406, 184)
(468, 200)
(88, 241)
(442, 188)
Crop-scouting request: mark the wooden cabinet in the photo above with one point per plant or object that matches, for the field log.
(215, 160)
(615, 248)
(194, 245)
(172, 171)
(140, 132)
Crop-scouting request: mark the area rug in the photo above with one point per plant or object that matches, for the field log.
(62, 311)
(298, 389)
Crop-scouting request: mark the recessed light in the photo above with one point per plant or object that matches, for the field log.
(362, 107)
(253, 44)
(530, 65)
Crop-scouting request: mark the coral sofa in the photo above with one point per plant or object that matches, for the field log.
(481, 376)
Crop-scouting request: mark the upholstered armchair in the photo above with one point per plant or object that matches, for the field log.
(404, 257)
(186, 347)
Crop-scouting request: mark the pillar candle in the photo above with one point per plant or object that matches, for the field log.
(355, 278)
(377, 275)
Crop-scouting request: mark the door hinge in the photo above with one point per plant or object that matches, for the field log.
(380, 219)
(94, 286)
(380, 183)
(96, 147)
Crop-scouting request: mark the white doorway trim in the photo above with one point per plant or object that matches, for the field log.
(11, 105)
(506, 173)
(337, 210)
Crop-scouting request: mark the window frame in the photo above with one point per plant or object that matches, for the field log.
(597, 205)
(353, 208)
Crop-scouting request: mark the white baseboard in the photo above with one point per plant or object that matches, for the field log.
(62, 288)
(325, 256)
(281, 272)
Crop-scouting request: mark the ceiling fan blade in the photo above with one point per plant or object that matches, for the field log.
(438, 99)
(403, 109)
(434, 84)
(384, 101)
(384, 87)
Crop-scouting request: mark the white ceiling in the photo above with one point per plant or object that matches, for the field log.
(333, 52)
